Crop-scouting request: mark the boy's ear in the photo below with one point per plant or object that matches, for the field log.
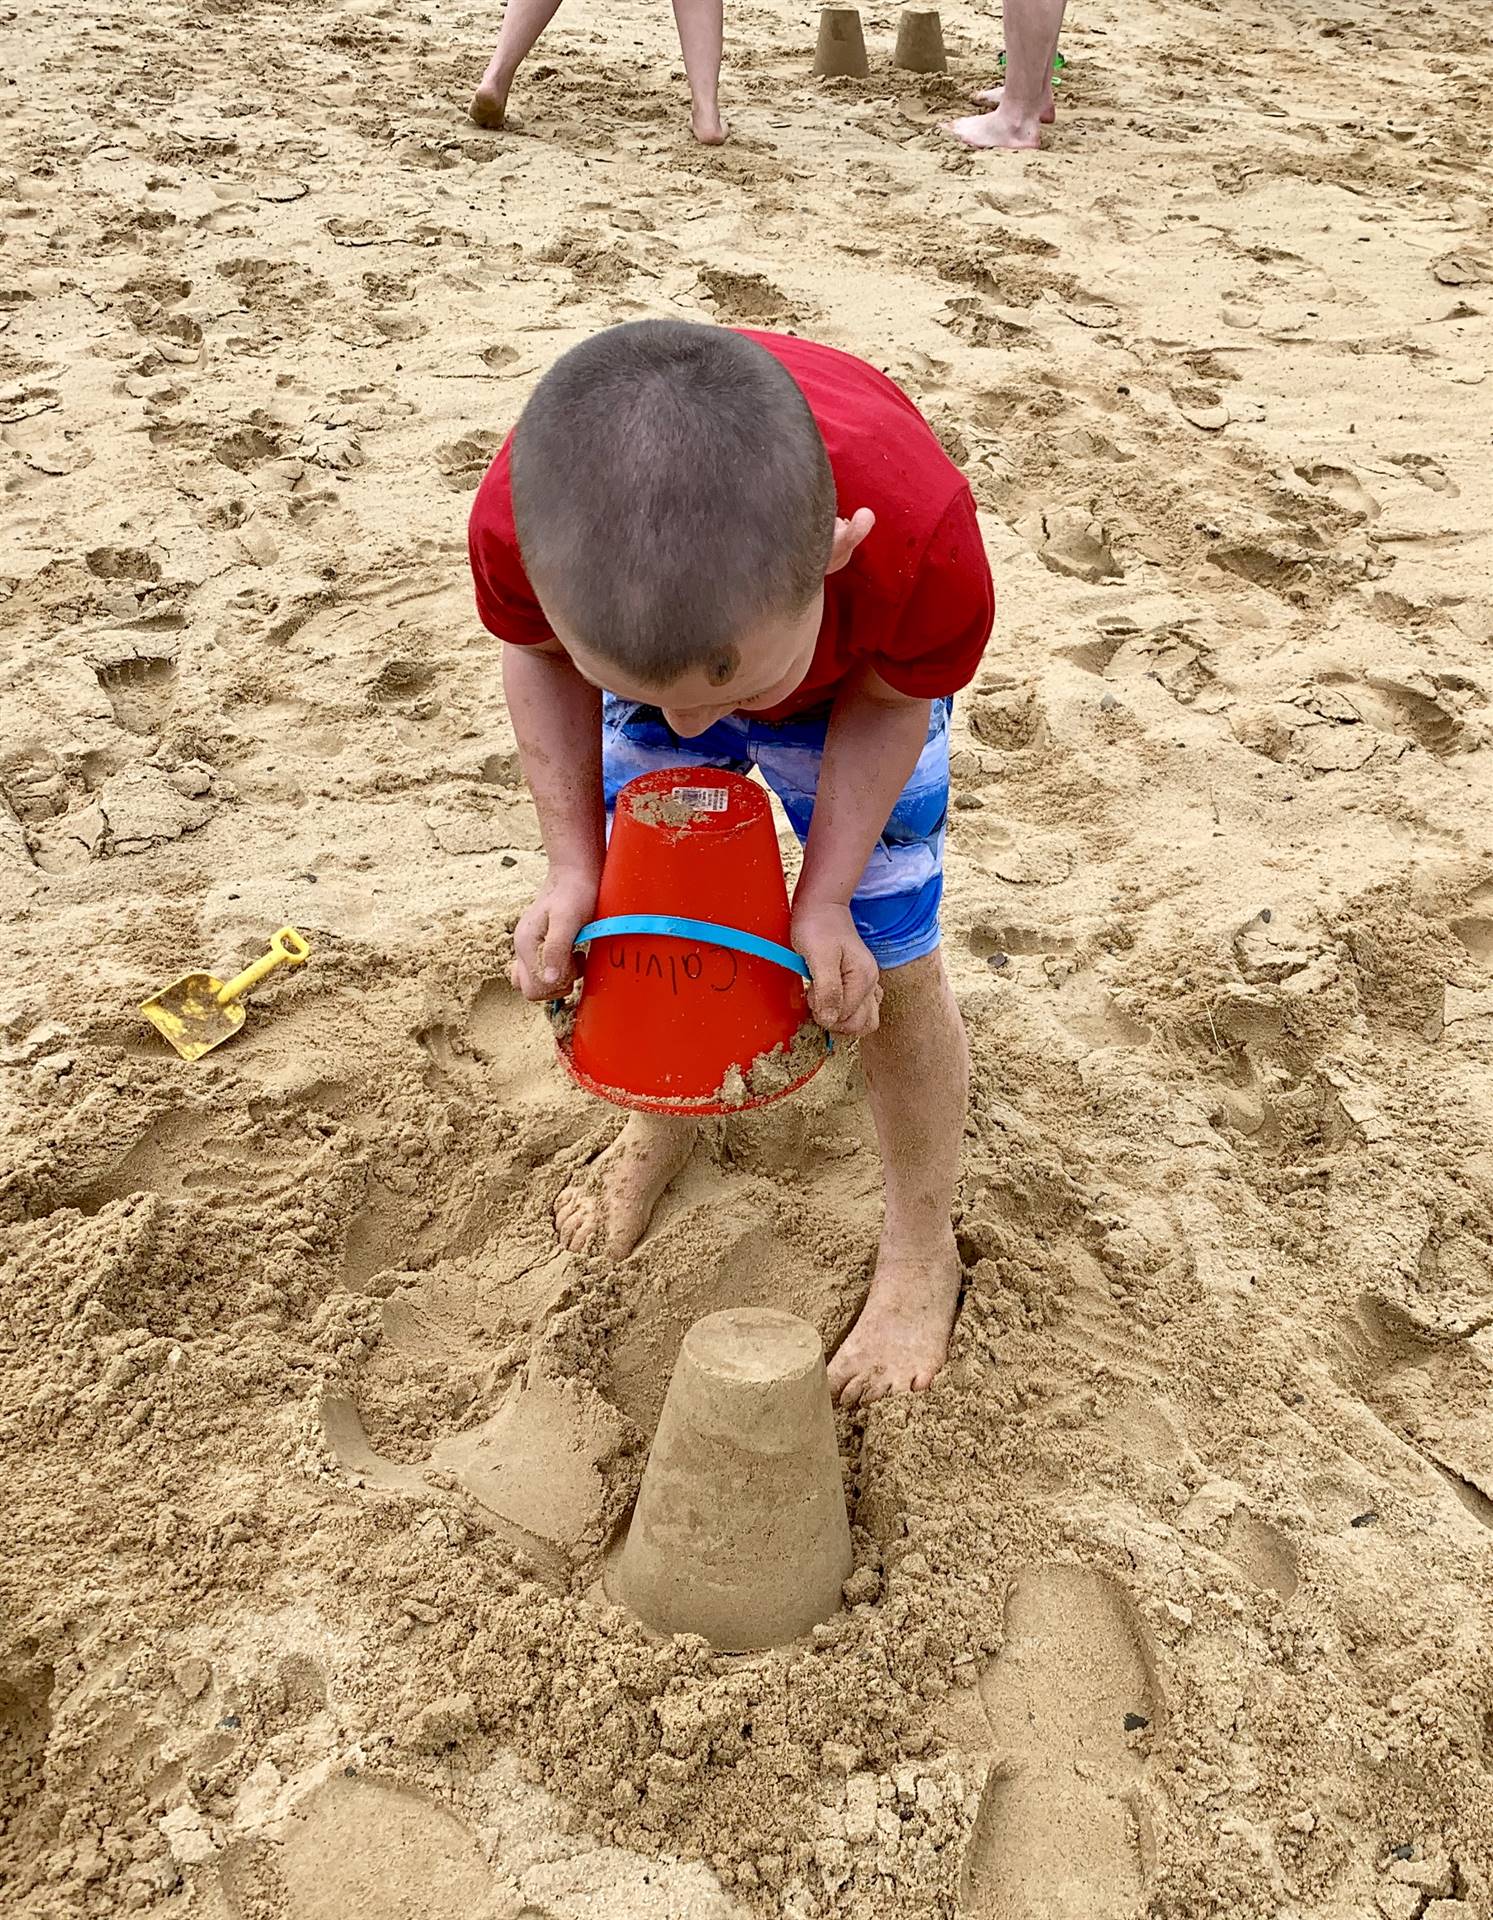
(848, 536)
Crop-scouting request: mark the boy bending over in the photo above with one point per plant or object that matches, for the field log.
(705, 547)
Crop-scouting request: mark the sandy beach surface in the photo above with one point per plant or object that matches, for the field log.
(1172, 1597)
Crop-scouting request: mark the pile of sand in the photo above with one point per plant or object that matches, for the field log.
(1175, 1590)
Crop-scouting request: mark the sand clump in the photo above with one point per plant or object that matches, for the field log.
(774, 1071)
(315, 1440)
(781, 1066)
(678, 807)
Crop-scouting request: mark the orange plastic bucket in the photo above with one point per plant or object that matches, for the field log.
(709, 1016)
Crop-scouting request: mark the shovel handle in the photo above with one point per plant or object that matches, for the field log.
(287, 949)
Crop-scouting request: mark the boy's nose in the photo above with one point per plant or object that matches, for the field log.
(690, 722)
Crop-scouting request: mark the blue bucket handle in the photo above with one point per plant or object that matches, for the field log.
(710, 931)
(674, 927)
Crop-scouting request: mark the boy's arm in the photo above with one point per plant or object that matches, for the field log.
(875, 737)
(557, 721)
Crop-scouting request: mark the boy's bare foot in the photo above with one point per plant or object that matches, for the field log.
(992, 97)
(489, 106)
(609, 1206)
(901, 1338)
(708, 127)
(999, 129)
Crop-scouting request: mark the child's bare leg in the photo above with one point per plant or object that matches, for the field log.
(917, 1069)
(609, 1206)
(523, 22)
(1025, 101)
(701, 31)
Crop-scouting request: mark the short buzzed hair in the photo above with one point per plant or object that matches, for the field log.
(670, 488)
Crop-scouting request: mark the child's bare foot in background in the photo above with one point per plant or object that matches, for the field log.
(993, 96)
(1003, 128)
(489, 106)
(523, 22)
(1024, 104)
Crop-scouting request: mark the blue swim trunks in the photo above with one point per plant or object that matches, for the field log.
(896, 905)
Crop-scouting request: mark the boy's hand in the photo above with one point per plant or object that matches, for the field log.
(845, 993)
(545, 963)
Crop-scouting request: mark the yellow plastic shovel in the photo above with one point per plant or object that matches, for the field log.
(198, 1012)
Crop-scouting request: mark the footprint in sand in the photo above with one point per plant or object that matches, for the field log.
(1432, 709)
(176, 337)
(26, 1685)
(130, 564)
(1279, 565)
(1429, 1383)
(1429, 472)
(462, 463)
(397, 1857)
(1057, 1836)
(1262, 1554)
(138, 686)
(1073, 542)
(504, 1048)
(1475, 931)
(1343, 487)
(178, 1155)
(246, 447)
(748, 299)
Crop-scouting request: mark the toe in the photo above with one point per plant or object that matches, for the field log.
(574, 1225)
(924, 1379)
(866, 1389)
(878, 1385)
(841, 1373)
(852, 1394)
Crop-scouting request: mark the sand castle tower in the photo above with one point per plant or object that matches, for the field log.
(920, 47)
(842, 45)
(740, 1531)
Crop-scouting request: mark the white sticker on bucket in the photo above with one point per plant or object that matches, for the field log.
(708, 799)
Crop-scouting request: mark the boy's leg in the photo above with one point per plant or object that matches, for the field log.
(523, 22)
(611, 1202)
(916, 1064)
(1031, 32)
(917, 1073)
(701, 31)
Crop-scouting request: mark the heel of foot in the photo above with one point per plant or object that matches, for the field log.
(488, 111)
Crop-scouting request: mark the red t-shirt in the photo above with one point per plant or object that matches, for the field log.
(915, 602)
